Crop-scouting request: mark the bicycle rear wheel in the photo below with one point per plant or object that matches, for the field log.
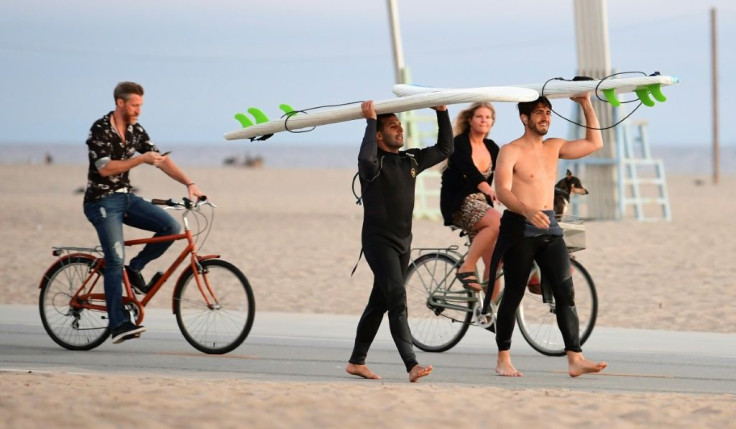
(439, 308)
(68, 323)
(222, 321)
(538, 321)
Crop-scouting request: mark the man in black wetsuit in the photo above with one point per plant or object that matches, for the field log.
(387, 178)
(525, 179)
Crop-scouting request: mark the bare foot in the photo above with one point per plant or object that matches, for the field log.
(361, 371)
(418, 372)
(578, 365)
(504, 367)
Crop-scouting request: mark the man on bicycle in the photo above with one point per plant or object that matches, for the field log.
(525, 179)
(387, 178)
(112, 144)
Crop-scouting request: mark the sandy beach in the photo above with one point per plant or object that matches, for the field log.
(296, 235)
(138, 402)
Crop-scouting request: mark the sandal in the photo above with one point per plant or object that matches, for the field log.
(472, 284)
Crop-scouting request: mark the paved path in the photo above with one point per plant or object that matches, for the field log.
(315, 347)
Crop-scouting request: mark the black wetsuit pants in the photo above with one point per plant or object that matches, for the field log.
(388, 295)
(553, 259)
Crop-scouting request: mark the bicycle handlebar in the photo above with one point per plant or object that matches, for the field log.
(185, 203)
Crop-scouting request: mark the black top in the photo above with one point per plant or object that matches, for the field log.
(388, 181)
(104, 143)
(461, 177)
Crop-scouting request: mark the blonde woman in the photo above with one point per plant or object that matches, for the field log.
(466, 196)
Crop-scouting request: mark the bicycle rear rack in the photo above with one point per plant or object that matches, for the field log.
(450, 251)
(67, 250)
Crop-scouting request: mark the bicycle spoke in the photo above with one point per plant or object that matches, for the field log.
(438, 315)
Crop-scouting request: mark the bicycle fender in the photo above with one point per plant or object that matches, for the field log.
(205, 257)
(61, 260)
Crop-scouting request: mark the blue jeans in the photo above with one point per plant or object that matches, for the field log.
(108, 216)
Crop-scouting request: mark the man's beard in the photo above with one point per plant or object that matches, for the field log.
(539, 130)
(394, 144)
(129, 119)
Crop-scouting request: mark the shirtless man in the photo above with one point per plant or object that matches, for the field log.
(525, 179)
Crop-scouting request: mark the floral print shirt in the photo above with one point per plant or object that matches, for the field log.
(104, 144)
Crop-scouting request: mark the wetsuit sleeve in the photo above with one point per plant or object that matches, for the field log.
(368, 155)
(444, 146)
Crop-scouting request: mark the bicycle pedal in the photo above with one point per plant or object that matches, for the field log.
(154, 280)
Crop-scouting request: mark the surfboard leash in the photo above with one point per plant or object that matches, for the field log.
(580, 78)
(288, 115)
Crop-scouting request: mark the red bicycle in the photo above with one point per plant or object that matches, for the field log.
(212, 299)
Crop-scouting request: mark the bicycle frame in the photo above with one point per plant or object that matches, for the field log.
(444, 298)
(84, 298)
(190, 251)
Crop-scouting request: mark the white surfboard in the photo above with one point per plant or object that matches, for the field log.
(300, 120)
(644, 87)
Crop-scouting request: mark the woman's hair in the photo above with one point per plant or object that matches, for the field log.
(462, 121)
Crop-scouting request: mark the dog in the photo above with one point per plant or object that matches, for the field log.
(563, 189)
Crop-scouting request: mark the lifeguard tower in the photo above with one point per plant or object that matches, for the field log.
(623, 179)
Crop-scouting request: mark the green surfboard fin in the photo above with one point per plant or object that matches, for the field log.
(643, 94)
(259, 115)
(288, 110)
(244, 121)
(656, 90)
(610, 95)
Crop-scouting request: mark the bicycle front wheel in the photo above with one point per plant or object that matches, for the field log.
(439, 308)
(65, 317)
(216, 315)
(538, 320)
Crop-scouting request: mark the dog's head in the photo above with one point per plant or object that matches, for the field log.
(571, 184)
